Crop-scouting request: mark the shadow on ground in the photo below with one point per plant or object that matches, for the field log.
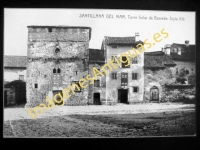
(15, 106)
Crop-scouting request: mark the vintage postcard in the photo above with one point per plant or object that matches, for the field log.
(99, 73)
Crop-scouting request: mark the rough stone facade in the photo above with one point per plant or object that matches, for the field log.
(101, 89)
(57, 57)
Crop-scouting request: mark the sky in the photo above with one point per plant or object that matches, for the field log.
(179, 30)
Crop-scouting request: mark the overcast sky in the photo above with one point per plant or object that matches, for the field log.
(17, 20)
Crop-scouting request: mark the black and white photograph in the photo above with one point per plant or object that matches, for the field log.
(98, 73)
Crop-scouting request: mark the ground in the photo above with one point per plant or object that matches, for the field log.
(122, 120)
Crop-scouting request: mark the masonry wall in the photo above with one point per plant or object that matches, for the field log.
(101, 89)
(71, 59)
(189, 65)
(112, 85)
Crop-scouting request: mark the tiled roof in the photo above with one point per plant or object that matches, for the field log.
(122, 40)
(96, 56)
(157, 60)
(15, 61)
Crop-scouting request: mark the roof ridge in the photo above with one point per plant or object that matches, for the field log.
(15, 55)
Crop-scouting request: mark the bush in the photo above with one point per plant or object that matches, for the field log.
(181, 80)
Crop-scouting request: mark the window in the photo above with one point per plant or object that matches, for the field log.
(114, 75)
(96, 83)
(75, 87)
(21, 77)
(134, 76)
(36, 85)
(58, 70)
(135, 89)
(114, 46)
(124, 65)
(114, 57)
(124, 79)
(54, 70)
(50, 29)
(57, 50)
(187, 71)
(134, 60)
(76, 72)
(99, 71)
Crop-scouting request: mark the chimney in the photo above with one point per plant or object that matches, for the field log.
(187, 43)
(137, 36)
(162, 49)
(167, 49)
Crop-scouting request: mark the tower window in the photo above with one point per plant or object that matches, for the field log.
(135, 89)
(50, 29)
(36, 85)
(57, 50)
(54, 70)
(58, 70)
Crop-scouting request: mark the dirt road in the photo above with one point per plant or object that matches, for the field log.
(165, 121)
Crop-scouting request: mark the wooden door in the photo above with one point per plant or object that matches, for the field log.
(96, 99)
(154, 94)
(58, 98)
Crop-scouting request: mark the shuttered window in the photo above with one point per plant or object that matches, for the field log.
(114, 75)
(114, 57)
(124, 79)
(134, 76)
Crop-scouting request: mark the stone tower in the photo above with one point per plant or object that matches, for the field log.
(57, 57)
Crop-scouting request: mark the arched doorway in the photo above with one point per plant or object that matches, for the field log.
(154, 93)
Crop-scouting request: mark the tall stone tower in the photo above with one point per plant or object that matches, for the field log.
(57, 57)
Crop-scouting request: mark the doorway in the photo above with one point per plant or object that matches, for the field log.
(58, 98)
(154, 94)
(96, 99)
(122, 95)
